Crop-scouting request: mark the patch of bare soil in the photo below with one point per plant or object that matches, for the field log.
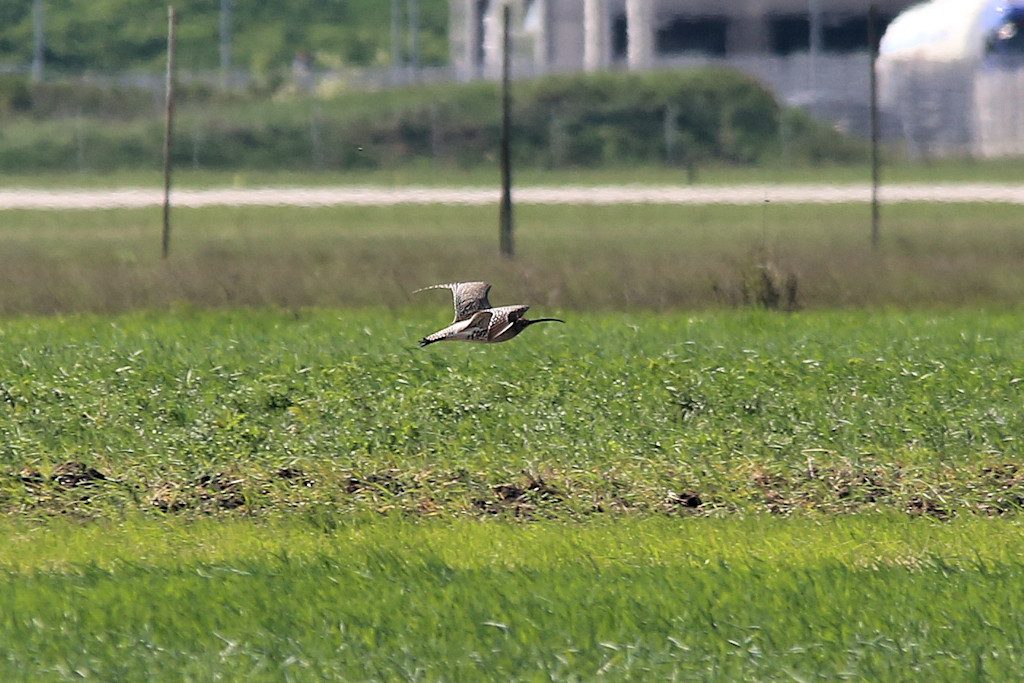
(296, 476)
(72, 474)
(926, 507)
(217, 491)
(521, 499)
(222, 490)
(1002, 488)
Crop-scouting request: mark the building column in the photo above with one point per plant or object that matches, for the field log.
(542, 38)
(464, 19)
(492, 44)
(640, 33)
(816, 39)
(596, 36)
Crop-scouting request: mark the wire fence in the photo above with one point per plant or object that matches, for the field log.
(928, 112)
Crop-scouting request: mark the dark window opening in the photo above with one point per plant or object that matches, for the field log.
(792, 33)
(851, 34)
(1007, 40)
(789, 34)
(619, 37)
(846, 35)
(706, 35)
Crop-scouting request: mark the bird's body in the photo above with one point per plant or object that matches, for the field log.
(475, 319)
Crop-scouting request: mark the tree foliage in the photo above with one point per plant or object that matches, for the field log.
(117, 35)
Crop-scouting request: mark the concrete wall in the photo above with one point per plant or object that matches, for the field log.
(568, 35)
(999, 113)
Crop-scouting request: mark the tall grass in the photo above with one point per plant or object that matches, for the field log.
(620, 257)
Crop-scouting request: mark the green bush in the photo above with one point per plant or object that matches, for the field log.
(15, 94)
(118, 35)
(809, 140)
(721, 114)
(86, 99)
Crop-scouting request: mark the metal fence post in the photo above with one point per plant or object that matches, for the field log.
(507, 246)
(414, 38)
(225, 44)
(873, 45)
(670, 131)
(38, 41)
(168, 131)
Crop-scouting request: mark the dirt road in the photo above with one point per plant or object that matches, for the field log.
(618, 194)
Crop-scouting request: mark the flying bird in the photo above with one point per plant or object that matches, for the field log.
(475, 319)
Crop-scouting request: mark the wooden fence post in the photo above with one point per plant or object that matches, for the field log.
(168, 132)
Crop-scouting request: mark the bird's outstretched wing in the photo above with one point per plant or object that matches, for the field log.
(503, 318)
(468, 297)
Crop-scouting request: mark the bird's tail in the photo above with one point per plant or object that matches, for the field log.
(448, 285)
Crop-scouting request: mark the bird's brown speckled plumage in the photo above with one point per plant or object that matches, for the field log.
(468, 297)
(475, 319)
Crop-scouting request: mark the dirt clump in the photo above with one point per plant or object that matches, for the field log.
(72, 474)
(522, 498)
(30, 477)
(387, 481)
(169, 498)
(683, 501)
(224, 491)
(925, 507)
(294, 475)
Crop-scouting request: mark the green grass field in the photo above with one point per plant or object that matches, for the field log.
(938, 171)
(259, 476)
(868, 598)
(611, 413)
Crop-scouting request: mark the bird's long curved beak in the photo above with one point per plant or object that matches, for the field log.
(547, 320)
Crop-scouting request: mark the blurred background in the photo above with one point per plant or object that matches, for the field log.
(950, 73)
(691, 93)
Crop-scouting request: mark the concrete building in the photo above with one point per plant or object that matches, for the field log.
(951, 74)
(566, 35)
(809, 52)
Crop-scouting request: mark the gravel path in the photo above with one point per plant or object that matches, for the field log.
(613, 194)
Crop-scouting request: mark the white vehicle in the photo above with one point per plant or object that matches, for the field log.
(952, 72)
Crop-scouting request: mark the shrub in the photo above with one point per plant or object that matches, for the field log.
(664, 117)
(15, 94)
